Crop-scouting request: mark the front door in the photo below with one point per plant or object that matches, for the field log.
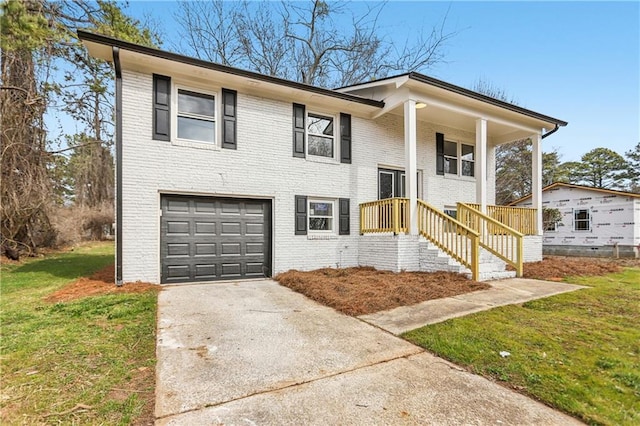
(391, 183)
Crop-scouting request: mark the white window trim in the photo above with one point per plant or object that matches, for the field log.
(459, 160)
(588, 220)
(174, 117)
(336, 128)
(331, 201)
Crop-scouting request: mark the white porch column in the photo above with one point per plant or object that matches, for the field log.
(411, 167)
(481, 164)
(536, 179)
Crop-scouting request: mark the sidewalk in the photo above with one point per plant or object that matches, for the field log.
(503, 292)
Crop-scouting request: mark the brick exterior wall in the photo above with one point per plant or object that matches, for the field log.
(263, 167)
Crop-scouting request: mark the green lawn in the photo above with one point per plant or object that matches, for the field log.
(88, 361)
(578, 352)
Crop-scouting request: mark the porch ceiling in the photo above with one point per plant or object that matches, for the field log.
(497, 132)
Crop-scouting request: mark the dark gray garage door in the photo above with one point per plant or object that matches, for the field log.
(207, 239)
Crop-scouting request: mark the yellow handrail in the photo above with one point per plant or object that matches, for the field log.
(388, 215)
(521, 219)
(495, 236)
(451, 236)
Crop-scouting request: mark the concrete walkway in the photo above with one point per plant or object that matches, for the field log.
(257, 353)
(501, 293)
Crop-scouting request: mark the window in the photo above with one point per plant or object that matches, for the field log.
(451, 211)
(320, 135)
(550, 226)
(581, 220)
(458, 152)
(451, 157)
(321, 216)
(196, 116)
(468, 158)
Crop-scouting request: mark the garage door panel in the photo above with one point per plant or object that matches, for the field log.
(254, 248)
(205, 228)
(178, 272)
(177, 250)
(255, 269)
(254, 209)
(205, 271)
(181, 227)
(254, 228)
(177, 205)
(205, 239)
(230, 207)
(231, 270)
(205, 207)
(205, 249)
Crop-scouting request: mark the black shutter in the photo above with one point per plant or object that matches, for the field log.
(301, 215)
(439, 153)
(161, 107)
(345, 138)
(229, 127)
(343, 217)
(299, 128)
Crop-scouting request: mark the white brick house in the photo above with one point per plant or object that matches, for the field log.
(224, 173)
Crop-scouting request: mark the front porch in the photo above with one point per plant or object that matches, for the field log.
(479, 244)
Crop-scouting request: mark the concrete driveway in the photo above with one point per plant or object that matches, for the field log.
(254, 352)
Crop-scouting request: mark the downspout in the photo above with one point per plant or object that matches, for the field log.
(116, 63)
(551, 132)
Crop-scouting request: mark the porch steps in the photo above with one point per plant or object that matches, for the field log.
(433, 259)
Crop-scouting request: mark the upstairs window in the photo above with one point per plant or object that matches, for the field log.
(451, 158)
(468, 157)
(459, 159)
(320, 135)
(196, 116)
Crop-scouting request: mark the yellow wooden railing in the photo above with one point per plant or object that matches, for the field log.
(498, 238)
(451, 236)
(521, 219)
(388, 215)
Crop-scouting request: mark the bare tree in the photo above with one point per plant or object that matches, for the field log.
(26, 188)
(306, 41)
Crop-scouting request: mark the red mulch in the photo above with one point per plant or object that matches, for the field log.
(101, 282)
(364, 290)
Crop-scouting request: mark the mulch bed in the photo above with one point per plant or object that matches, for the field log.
(101, 282)
(364, 290)
(555, 268)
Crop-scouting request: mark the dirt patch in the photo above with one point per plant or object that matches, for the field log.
(556, 268)
(101, 282)
(364, 290)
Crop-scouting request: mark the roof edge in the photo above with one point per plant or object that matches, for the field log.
(163, 54)
(572, 185)
(484, 98)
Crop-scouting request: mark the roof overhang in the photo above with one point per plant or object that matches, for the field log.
(134, 57)
(456, 106)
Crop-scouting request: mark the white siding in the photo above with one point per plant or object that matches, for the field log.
(612, 217)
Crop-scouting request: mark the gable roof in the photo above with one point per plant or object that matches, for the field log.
(89, 37)
(570, 185)
(434, 82)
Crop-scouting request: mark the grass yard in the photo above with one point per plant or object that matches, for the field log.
(89, 360)
(578, 352)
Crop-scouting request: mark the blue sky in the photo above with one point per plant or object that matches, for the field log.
(576, 61)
